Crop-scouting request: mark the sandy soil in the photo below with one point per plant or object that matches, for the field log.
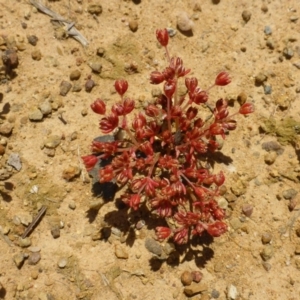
(259, 256)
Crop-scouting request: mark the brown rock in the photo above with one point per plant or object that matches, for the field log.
(71, 172)
(195, 288)
(75, 75)
(133, 25)
(64, 88)
(36, 54)
(186, 278)
(6, 129)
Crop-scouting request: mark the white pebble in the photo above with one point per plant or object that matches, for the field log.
(184, 23)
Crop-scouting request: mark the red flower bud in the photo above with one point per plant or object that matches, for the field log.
(121, 86)
(222, 79)
(109, 123)
(246, 108)
(191, 84)
(89, 161)
(217, 129)
(98, 107)
(191, 112)
(169, 88)
(199, 96)
(219, 179)
(162, 233)
(139, 121)
(128, 105)
(162, 36)
(216, 229)
(156, 77)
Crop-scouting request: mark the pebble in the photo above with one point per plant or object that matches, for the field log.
(289, 194)
(71, 172)
(266, 238)
(72, 205)
(35, 115)
(267, 266)
(267, 253)
(247, 210)
(298, 232)
(36, 54)
(64, 88)
(232, 292)
(297, 250)
(297, 64)
(24, 243)
(197, 276)
(25, 219)
(153, 246)
(18, 260)
(260, 78)
(100, 51)
(15, 161)
(49, 152)
(34, 249)
(186, 278)
(34, 274)
(45, 108)
(34, 258)
(75, 75)
(2, 149)
(171, 31)
(246, 15)
(272, 146)
(195, 288)
(55, 232)
(89, 85)
(242, 98)
(52, 141)
(267, 89)
(76, 87)
(270, 157)
(270, 43)
(264, 8)
(133, 25)
(94, 9)
(235, 223)
(32, 40)
(288, 53)
(95, 66)
(120, 252)
(62, 262)
(215, 294)
(184, 23)
(6, 129)
(268, 30)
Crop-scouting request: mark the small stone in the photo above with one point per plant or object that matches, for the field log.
(62, 262)
(297, 250)
(195, 288)
(64, 88)
(294, 18)
(72, 205)
(36, 54)
(6, 128)
(235, 223)
(49, 152)
(186, 278)
(52, 141)
(270, 157)
(289, 194)
(267, 253)
(95, 66)
(171, 31)
(153, 246)
(266, 238)
(55, 232)
(76, 87)
(242, 98)
(264, 8)
(15, 161)
(133, 25)
(89, 85)
(297, 263)
(247, 210)
(71, 172)
(184, 23)
(268, 30)
(267, 89)
(215, 294)
(2, 149)
(34, 274)
(270, 43)
(25, 219)
(84, 112)
(260, 78)
(298, 232)
(35, 115)
(120, 252)
(197, 276)
(267, 266)
(288, 53)
(18, 260)
(24, 243)
(75, 75)
(32, 40)
(34, 249)
(197, 7)
(232, 292)
(246, 15)
(34, 258)
(94, 9)
(272, 146)
(45, 108)
(100, 51)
